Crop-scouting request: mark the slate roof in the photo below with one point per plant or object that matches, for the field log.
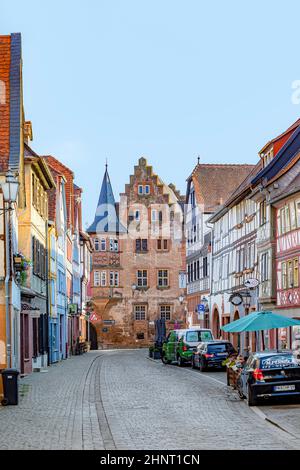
(10, 101)
(214, 183)
(106, 218)
(285, 155)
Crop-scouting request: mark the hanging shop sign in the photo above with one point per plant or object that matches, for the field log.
(251, 283)
(236, 299)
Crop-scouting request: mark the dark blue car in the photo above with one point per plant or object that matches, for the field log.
(269, 374)
(211, 354)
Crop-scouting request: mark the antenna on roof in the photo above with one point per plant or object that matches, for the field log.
(198, 159)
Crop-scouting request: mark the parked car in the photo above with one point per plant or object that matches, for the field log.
(269, 374)
(180, 344)
(211, 354)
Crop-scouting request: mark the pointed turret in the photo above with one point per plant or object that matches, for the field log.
(106, 218)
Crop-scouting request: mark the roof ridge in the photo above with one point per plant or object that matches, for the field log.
(58, 161)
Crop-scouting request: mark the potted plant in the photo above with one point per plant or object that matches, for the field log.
(22, 265)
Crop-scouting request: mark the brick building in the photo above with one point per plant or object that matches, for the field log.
(139, 254)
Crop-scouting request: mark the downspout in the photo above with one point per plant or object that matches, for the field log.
(47, 295)
(7, 284)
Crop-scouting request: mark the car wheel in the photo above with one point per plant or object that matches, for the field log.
(252, 401)
(202, 366)
(164, 359)
(180, 361)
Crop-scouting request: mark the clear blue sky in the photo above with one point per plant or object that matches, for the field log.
(165, 79)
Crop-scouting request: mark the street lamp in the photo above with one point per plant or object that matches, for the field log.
(10, 188)
(10, 193)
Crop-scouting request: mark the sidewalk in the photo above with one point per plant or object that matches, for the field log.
(55, 410)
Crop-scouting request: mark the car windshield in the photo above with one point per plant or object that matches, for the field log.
(225, 347)
(278, 361)
(198, 336)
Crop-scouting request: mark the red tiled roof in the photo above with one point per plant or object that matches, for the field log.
(69, 176)
(284, 135)
(214, 183)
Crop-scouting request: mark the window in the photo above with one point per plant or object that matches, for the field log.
(162, 244)
(198, 269)
(96, 278)
(165, 312)
(296, 272)
(103, 278)
(163, 278)
(111, 244)
(111, 279)
(140, 189)
(96, 244)
(140, 312)
(290, 276)
(263, 212)
(103, 244)
(283, 275)
(141, 244)
(298, 213)
(116, 245)
(147, 189)
(154, 215)
(142, 278)
(205, 267)
(285, 219)
(264, 267)
(116, 279)
(137, 215)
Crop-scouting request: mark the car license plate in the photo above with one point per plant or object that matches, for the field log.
(284, 388)
(222, 354)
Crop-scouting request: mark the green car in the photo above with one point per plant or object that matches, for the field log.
(180, 344)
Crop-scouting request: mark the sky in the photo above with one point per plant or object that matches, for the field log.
(165, 79)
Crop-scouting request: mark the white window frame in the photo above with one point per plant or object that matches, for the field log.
(96, 278)
(103, 278)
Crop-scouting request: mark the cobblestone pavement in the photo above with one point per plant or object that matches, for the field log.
(123, 400)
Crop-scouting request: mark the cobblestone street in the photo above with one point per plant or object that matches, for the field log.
(123, 400)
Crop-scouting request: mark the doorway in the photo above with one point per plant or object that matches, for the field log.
(93, 337)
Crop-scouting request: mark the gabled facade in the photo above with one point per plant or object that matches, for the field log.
(139, 254)
(57, 227)
(33, 243)
(11, 158)
(208, 187)
(275, 191)
(234, 260)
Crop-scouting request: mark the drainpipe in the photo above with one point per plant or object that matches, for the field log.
(8, 290)
(47, 296)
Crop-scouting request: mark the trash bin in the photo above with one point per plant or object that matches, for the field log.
(10, 386)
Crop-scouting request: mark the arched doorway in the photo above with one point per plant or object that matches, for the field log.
(236, 337)
(216, 324)
(93, 337)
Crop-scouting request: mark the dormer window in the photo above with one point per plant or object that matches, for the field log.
(267, 157)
